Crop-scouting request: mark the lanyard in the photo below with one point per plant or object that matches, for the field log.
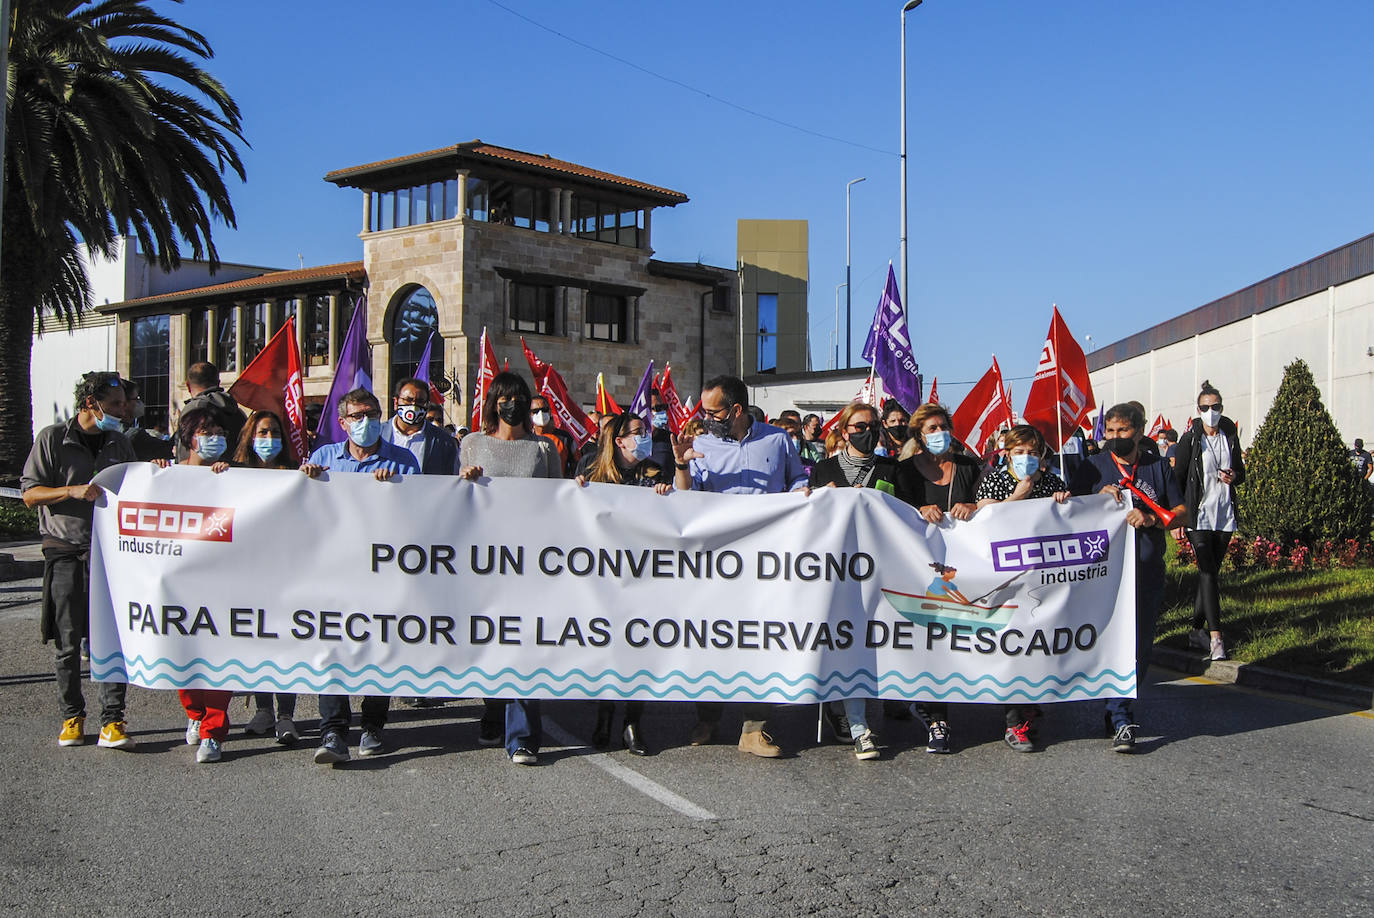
(1121, 467)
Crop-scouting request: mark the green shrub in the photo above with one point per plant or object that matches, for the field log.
(1300, 484)
(17, 521)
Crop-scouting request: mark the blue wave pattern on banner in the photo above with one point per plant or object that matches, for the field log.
(576, 682)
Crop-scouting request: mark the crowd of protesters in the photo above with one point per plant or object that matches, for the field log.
(726, 447)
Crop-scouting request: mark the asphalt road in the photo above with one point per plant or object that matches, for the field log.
(1236, 803)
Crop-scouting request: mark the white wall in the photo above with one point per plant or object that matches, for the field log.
(59, 358)
(1331, 330)
(822, 396)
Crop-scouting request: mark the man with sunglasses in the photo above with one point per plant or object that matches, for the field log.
(57, 480)
(360, 416)
(736, 455)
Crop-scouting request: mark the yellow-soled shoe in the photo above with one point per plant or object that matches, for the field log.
(113, 736)
(73, 732)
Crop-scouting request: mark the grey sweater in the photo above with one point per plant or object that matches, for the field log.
(531, 457)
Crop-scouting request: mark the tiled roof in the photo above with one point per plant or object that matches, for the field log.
(476, 152)
(273, 280)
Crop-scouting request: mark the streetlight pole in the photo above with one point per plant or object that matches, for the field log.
(835, 336)
(910, 5)
(848, 320)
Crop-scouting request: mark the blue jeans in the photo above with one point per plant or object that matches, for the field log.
(524, 725)
(856, 711)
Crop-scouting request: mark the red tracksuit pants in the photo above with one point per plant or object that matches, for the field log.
(210, 707)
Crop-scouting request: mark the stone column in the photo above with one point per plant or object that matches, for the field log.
(240, 327)
(644, 231)
(462, 193)
(367, 211)
(568, 227)
(556, 221)
(334, 340)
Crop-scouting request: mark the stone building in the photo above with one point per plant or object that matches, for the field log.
(456, 240)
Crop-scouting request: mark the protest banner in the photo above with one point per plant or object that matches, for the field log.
(268, 580)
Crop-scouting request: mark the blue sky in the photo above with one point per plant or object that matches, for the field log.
(1128, 161)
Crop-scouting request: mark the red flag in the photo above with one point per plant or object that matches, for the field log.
(934, 397)
(667, 390)
(1158, 425)
(983, 411)
(1061, 397)
(486, 372)
(868, 394)
(272, 382)
(567, 414)
(604, 402)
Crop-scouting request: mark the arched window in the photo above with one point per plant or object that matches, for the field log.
(416, 318)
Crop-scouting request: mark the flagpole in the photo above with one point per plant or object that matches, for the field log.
(1058, 391)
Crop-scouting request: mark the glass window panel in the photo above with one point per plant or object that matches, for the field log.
(402, 207)
(226, 339)
(436, 202)
(522, 207)
(532, 308)
(419, 213)
(450, 199)
(198, 347)
(314, 330)
(768, 332)
(255, 331)
(584, 217)
(606, 317)
(415, 320)
(386, 210)
(543, 199)
(478, 193)
(149, 362)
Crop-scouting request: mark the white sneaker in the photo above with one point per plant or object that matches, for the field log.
(1199, 638)
(1218, 649)
(260, 724)
(192, 732)
(209, 751)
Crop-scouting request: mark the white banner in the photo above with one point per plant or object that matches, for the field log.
(529, 588)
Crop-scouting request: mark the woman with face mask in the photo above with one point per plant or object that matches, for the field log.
(207, 710)
(505, 447)
(941, 484)
(1209, 467)
(1024, 477)
(622, 457)
(262, 445)
(855, 465)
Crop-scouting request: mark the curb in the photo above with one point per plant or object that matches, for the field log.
(10, 569)
(1252, 675)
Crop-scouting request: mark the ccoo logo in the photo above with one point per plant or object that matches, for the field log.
(176, 521)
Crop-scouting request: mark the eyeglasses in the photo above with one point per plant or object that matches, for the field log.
(360, 415)
(861, 426)
(717, 414)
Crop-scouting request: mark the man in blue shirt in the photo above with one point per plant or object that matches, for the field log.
(1123, 459)
(360, 415)
(736, 455)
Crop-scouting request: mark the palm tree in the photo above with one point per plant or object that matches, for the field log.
(112, 128)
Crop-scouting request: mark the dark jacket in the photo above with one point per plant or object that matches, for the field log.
(884, 477)
(441, 449)
(231, 416)
(1188, 463)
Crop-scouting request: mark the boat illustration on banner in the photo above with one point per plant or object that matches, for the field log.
(943, 604)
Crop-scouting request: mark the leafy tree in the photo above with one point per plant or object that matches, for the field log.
(112, 128)
(1300, 483)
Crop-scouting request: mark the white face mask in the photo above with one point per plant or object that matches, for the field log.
(540, 418)
(1210, 417)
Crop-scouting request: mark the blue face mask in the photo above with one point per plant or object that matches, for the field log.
(267, 447)
(365, 431)
(1023, 466)
(938, 442)
(644, 445)
(109, 423)
(211, 446)
(660, 419)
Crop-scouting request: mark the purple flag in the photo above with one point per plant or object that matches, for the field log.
(640, 403)
(422, 371)
(353, 370)
(888, 348)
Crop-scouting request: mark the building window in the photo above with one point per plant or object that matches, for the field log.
(605, 222)
(198, 347)
(768, 333)
(532, 308)
(255, 332)
(149, 363)
(314, 330)
(479, 194)
(416, 319)
(227, 338)
(607, 317)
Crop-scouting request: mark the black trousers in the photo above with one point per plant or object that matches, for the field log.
(1210, 547)
(66, 581)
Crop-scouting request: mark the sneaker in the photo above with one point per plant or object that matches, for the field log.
(839, 725)
(332, 750)
(73, 732)
(865, 748)
(85, 650)
(192, 732)
(1018, 737)
(371, 743)
(523, 756)
(210, 751)
(703, 734)
(115, 736)
(286, 731)
(1218, 649)
(490, 734)
(1199, 638)
(758, 743)
(1124, 738)
(937, 738)
(261, 722)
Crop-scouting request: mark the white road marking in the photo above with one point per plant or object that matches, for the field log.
(630, 776)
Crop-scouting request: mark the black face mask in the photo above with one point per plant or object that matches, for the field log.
(718, 428)
(864, 442)
(900, 433)
(514, 412)
(1121, 447)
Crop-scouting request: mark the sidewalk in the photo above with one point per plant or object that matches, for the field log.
(20, 560)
